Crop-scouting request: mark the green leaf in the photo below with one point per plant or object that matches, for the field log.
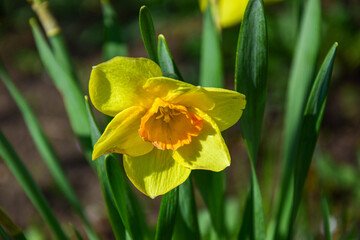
(251, 74)
(14, 231)
(62, 55)
(187, 226)
(115, 219)
(125, 201)
(253, 223)
(28, 184)
(69, 89)
(325, 212)
(211, 70)
(148, 33)
(167, 215)
(310, 127)
(301, 79)
(251, 80)
(46, 151)
(212, 189)
(114, 43)
(166, 62)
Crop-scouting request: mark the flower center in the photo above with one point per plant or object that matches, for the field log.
(169, 126)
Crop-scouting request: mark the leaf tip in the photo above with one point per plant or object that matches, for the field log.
(161, 37)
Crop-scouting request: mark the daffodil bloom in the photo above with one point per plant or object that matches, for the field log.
(228, 12)
(165, 128)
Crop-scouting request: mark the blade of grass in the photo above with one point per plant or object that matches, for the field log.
(28, 184)
(166, 62)
(187, 226)
(114, 217)
(46, 151)
(211, 70)
(148, 33)
(14, 231)
(114, 43)
(167, 215)
(125, 201)
(310, 127)
(251, 74)
(251, 80)
(212, 189)
(301, 78)
(68, 87)
(325, 212)
(62, 55)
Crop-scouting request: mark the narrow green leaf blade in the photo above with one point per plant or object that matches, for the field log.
(325, 212)
(125, 201)
(166, 62)
(251, 73)
(253, 223)
(115, 219)
(167, 215)
(212, 188)
(301, 78)
(45, 149)
(311, 125)
(251, 80)
(62, 55)
(187, 226)
(148, 33)
(114, 43)
(17, 167)
(68, 87)
(211, 69)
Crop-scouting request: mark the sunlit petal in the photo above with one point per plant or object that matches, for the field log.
(178, 92)
(118, 84)
(155, 173)
(228, 108)
(121, 135)
(206, 151)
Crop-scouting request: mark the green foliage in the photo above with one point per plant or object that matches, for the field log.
(28, 184)
(148, 33)
(167, 215)
(67, 85)
(45, 149)
(251, 80)
(179, 217)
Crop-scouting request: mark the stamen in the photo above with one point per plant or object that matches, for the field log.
(169, 126)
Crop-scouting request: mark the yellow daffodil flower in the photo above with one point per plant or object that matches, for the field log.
(230, 12)
(165, 128)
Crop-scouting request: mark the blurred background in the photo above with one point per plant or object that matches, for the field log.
(336, 165)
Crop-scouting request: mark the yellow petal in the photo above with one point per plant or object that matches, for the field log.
(228, 108)
(231, 12)
(206, 151)
(155, 173)
(178, 92)
(121, 135)
(118, 84)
